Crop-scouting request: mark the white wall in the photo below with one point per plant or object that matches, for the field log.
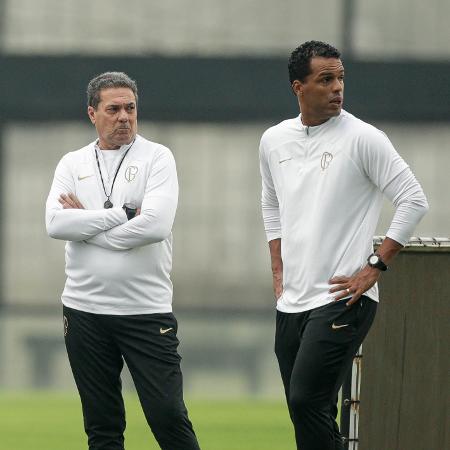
(382, 28)
(169, 27)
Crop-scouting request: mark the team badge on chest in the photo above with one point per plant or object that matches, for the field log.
(325, 160)
(130, 173)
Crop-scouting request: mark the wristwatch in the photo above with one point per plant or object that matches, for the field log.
(375, 261)
(130, 210)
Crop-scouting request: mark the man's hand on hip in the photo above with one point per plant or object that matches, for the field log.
(70, 201)
(356, 285)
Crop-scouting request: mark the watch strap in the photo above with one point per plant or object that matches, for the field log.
(380, 265)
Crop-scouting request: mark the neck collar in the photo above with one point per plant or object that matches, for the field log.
(122, 148)
(308, 129)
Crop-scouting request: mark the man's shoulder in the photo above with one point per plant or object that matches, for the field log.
(280, 132)
(359, 128)
(147, 149)
(80, 155)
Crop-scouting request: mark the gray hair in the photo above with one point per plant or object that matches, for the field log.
(108, 80)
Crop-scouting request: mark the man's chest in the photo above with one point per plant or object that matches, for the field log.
(94, 184)
(306, 166)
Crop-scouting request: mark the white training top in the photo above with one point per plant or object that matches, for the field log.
(321, 194)
(116, 266)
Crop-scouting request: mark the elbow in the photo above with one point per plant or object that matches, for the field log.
(422, 206)
(158, 227)
(416, 202)
(160, 233)
(57, 233)
(53, 231)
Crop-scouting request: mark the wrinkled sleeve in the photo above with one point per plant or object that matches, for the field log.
(154, 223)
(75, 224)
(269, 200)
(394, 178)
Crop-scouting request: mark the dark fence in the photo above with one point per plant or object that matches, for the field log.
(226, 89)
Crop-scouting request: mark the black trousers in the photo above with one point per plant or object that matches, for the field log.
(315, 350)
(97, 345)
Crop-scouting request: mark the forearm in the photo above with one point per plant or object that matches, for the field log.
(153, 225)
(405, 220)
(82, 224)
(388, 250)
(359, 283)
(277, 266)
(65, 216)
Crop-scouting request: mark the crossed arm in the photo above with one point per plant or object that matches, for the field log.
(67, 219)
(153, 223)
(74, 223)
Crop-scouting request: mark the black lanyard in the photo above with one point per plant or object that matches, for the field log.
(108, 204)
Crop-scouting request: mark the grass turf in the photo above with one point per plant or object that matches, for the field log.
(49, 421)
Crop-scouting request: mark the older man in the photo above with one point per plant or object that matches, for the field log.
(114, 202)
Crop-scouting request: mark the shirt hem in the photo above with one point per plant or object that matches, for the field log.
(307, 306)
(95, 309)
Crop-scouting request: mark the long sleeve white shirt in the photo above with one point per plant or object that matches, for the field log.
(322, 191)
(115, 265)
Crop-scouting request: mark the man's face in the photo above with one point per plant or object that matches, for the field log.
(115, 117)
(321, 94)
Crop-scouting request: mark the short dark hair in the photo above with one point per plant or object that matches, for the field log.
(299, 64)
(108, 80)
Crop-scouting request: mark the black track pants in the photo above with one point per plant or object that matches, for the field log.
(315, 350)
(97, 345)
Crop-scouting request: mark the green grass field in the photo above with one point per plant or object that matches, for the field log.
(49, 421)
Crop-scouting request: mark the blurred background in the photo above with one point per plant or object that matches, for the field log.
(212, 77)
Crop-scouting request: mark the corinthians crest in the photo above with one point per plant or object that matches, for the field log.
(325, 160)
(130, 173)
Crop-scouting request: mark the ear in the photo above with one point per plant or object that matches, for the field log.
(297, 88)
(91, 114)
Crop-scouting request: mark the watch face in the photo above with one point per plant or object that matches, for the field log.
(373, 259)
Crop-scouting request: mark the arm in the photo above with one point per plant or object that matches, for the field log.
(277, 267)
(410, 204)
(394, 178)
(73, 223)
(157, 212)
(272, 225)
(367, 276)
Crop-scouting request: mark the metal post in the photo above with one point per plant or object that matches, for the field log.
(2, 24)
(345, 408)
(348, 15)
(2, 257)
(2, 191)
(350, 404)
